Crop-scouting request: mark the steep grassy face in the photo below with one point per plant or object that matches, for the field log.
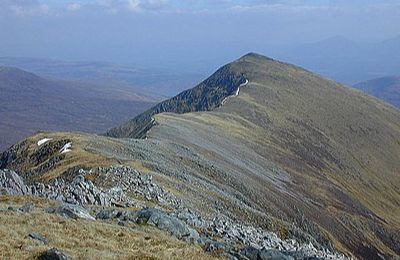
(386, 88)
(290, 148)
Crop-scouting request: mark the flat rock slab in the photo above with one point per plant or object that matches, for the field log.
(71, 211)
(39, 237)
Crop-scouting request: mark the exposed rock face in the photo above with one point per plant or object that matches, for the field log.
(12, 184)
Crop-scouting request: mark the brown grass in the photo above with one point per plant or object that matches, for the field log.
(83, 239)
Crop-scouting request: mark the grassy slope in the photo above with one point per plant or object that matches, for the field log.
(341, 149)
(82, 239)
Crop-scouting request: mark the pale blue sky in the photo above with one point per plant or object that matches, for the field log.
(178, 33)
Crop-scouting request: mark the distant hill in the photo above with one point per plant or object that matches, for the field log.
(347, 61)
(150, 80)
(30, 103)
(386, 88)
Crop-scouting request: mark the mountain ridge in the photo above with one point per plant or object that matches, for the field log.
(292, 153)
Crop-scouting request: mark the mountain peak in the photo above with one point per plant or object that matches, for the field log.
(254, 55)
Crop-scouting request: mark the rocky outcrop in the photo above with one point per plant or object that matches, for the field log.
(81, 191)
(12, 184)
(121, 181)
(132, 182)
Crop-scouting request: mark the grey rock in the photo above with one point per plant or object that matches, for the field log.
(27, 208)
(107, 214)
(12, 184)
(165, 222)
(71, 211)
(53, 254)
(252, 253)
(38, 237)
(273, 255)
(126, 179)
(212, 246)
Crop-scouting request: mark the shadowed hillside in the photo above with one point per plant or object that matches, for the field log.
(386, 88)
(30, 103)
(288, 152)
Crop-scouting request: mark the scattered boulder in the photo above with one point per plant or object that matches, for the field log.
(71, 211)
(53, 254)
(39, 237)
(28, 207)
(168, 223)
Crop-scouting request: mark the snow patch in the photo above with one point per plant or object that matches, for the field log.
(237, 91)
(66, 148)
(43, 141)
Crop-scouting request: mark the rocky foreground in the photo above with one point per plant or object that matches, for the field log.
(123, 195)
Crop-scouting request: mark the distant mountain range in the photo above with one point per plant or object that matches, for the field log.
(385, 88)
(30, 103)
(259, 142)
(153, 80)
(347, 61)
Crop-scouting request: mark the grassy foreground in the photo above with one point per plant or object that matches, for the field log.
(82, 239)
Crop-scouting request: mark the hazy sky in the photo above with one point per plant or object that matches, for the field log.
(175, 33)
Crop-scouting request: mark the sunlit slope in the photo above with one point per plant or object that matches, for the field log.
(292, 141)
